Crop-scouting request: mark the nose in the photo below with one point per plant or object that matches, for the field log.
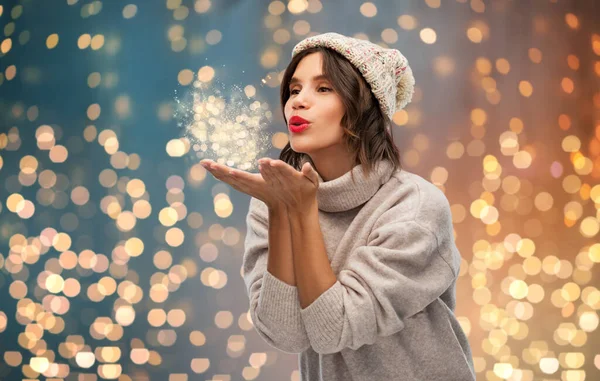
(300, 100)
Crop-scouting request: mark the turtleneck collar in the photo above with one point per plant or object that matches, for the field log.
(342, 194)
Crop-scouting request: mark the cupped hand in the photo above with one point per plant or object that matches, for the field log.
(278, 183)
(295, 189)
(252, 184)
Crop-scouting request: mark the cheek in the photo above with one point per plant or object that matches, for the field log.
(287, 109)
(335, 112)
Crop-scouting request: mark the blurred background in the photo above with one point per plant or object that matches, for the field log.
(120, 256)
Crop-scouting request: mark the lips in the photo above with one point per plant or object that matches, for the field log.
(298, 120)
(298, 124)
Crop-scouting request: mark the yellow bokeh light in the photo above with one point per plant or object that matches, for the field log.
(5, 46)
(572, 21)
(213, 37)
(428, 35)
(589, 227)
(39, 364)
(174, 237)
(407, 22)
(84, 41)
(134, 246)
(269, 59)
(206, 74)
(97, 42)
(525, 88)
(474, 34)
(54, 283)
(368, 9)
(52, 41)
(522, 159)
(297, 6)
(176, 148)
(136, 188)
(129, 11)
(168, 216)
(276, 8)
(185, 77)
(223, 206)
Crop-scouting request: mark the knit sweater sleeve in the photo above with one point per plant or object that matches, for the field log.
(274, 305)
(405, 265)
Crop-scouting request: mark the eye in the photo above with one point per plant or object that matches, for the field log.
(293, 93)
(322, 87)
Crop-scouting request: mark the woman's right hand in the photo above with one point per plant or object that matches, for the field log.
(252, 184)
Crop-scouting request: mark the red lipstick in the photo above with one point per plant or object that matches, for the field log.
(298, 124)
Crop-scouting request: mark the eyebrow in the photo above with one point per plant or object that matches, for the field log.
(315, 78)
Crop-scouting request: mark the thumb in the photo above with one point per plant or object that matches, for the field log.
(308, 171)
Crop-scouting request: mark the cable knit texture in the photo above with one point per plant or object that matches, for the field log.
(385, 70)
(390, 315)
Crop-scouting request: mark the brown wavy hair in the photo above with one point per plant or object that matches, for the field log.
(364, 124)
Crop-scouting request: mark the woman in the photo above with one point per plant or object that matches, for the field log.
(350, 260)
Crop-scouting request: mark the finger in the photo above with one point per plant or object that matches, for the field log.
(267, 167)
(308, 171)
(267, 175)
(272, 180)
(243, 181)
(274, 177)
(242, 176)
(220, 172)
(238, 185)
(220, 169)
(264, 161)
(245, 177)
(276, 173)
(209, 169)
(219, 176)
(205, 164)
(282, 169)
(216, 174)
(230, 178)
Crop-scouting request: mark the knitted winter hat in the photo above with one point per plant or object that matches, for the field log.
(385, 70)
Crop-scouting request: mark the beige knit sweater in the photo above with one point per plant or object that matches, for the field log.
(390, 315)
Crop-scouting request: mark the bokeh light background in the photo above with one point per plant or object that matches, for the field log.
(120, 257)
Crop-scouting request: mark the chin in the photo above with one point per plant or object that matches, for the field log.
(300, 147)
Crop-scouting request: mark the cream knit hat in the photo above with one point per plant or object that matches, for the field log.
(385, 70)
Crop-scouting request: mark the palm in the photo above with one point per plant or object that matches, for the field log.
(252, 184)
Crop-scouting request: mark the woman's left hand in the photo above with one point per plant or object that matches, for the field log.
(296, 189)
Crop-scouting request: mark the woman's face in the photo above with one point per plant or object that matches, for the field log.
(314, 100)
